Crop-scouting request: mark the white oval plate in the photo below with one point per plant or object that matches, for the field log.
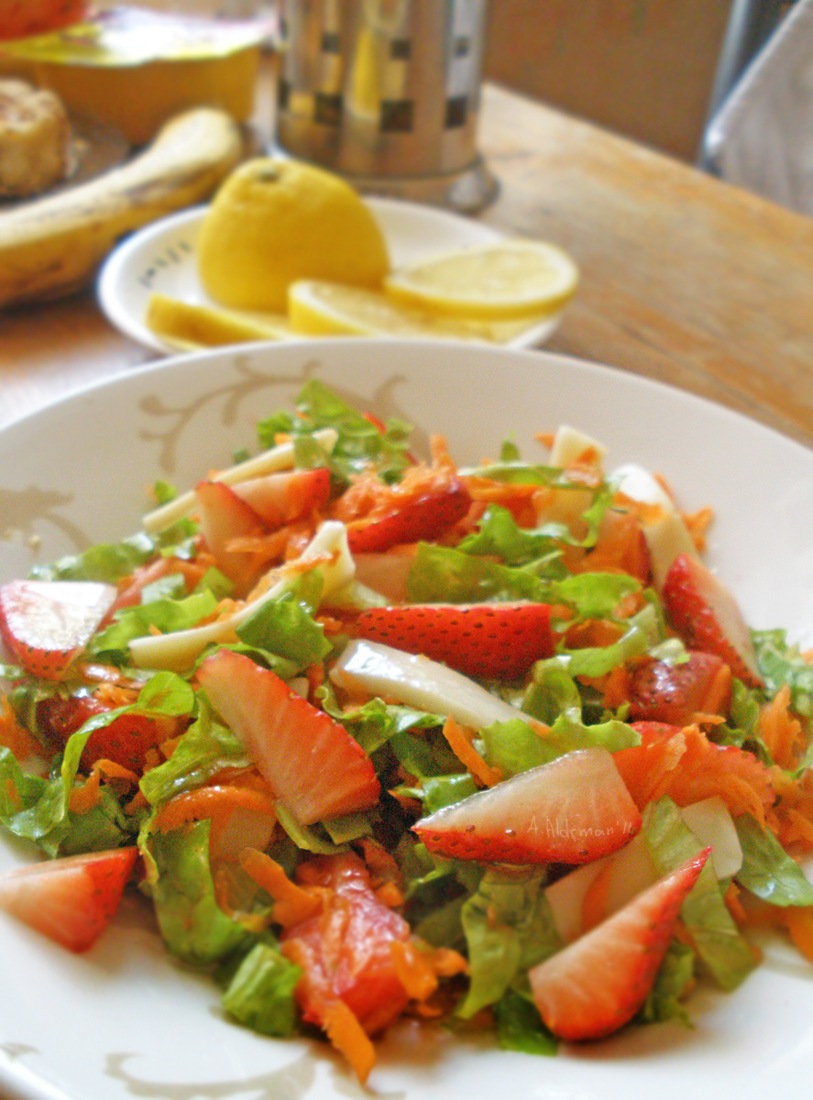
(124, 1021)
(161, 258)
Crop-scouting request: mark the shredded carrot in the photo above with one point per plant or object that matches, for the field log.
(733, 902)
(390, 895)
(651, 770)
(16, 737)
(698, 523)
(86, 796)
(780, 730)
(620, 547)
(459, 738)
(349, 1038)
(414, 970)
(292, 904)
(615, 687)
(799, 922)
(215, 802)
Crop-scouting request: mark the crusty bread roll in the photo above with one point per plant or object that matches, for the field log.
(35, 140)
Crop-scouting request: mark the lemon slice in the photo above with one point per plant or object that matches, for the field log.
(317, 307)
(506, 279)
(188, 326)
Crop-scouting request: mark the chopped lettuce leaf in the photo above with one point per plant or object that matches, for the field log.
(520, 1027)
(767, 870)
(782, 663)
(164, 614)
(672, 982)
(719, 944)
(287, 628)
(205, 749)
(260, 994)
(106, 562)
(180, 884)
(509, 928)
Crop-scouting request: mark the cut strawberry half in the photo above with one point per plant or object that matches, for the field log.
(489, 640)
(596, 984)
(125, 740)
(224, 517)
(425, 516)
(70, 900)
(284, 497)
(707, 617)
(660, 691)
(572, 810)
(47, 624)
(312, 764)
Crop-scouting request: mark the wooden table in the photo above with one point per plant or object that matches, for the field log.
(684, 279)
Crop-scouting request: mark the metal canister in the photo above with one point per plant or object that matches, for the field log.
(387, 94)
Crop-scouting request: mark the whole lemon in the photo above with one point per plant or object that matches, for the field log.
(275, 221)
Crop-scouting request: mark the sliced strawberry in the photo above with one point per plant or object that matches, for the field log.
(224, 517)
(572, 810)
(661, 691)
(705, 614)
(47, 624)
(427, 515)
(70, 900)
(312, 764)
(491, 640)
(126, 740)
(345, 951)
(596, 984)
(284, 497)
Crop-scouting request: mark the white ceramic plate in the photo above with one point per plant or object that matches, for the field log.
(161, 258)
(123, 1021)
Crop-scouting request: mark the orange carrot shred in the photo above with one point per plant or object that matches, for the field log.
(349, 1038)
(414, 970)
(211, 802)
(292, 903)
(780, 730)
(458, 737)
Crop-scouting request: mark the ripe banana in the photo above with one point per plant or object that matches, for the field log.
(52, 246)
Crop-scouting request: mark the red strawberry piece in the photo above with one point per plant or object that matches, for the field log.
(490, 640)
(47, 624)
(572, 810)
(284, 497)
(71, 900)
(224, 517)
(345, 950)
(661, 691)
(425, 516)
(707, 617)
(125, 740)
(596, 984)
(312, 764)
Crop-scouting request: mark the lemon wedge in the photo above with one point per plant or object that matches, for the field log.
(189, 326)
(506, 279)
(317, 307)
